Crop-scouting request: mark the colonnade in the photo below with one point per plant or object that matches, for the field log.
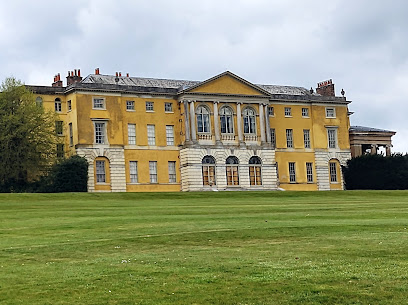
(190, 122)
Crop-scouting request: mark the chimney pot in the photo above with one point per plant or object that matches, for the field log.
(120, 74)
(79, 72)
(75, 72)
(127, 74)
(117, 74)
(325, 88)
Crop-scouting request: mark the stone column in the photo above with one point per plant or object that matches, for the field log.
(373, 149)
(262, 122)
(186, 121)
(356, 150)
(239, 123)
(388, 150)
(268, 126)
(216, 125)
(192, 121)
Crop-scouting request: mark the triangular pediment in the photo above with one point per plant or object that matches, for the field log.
(227, 83)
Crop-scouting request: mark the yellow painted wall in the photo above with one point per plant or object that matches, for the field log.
(49, 105)
(283, 159)
(227, 85)
(118, 119)
(296, 122)
(320, 124)
(143, 157)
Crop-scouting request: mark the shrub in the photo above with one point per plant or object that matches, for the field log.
(70, 175)
(377, 172)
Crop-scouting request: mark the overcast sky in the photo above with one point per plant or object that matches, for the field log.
(361, 44)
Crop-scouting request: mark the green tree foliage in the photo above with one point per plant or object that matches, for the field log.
(377, 172)
(27, 136)
(70, 175)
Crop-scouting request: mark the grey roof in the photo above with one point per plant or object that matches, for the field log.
(290, 90)
(138, 81)
(368, 129)
(179, 84)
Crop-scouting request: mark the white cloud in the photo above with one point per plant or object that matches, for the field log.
(360, 44)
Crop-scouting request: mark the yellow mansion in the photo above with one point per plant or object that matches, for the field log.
(224, 133)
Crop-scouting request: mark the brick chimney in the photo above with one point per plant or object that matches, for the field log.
(97, 71)
(74, 77)
(57, 81)
(325, 88)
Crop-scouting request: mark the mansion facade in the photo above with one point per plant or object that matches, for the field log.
(224, 133)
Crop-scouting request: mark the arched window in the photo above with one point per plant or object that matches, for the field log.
(232, 170)
(208, 165)
(334, 170)
(226, 119)
(39, 101)
(101, 170)
(58, 105)
(249, 121)
(203, 120)
(255, 164)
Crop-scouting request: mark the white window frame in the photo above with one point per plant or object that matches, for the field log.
(151, 135)
(172, 172)
(100, 171)
(130, 105)
(305, 112)
(292, 172)
(98, 103)
(170, 135)
(289, 138)
(232, 171)
(330, 112)
(69, 105)
(133, 172)
(332, 137)
(203, 119)
(309, 172)
(58, 105)
(288, 111)
(100, 132)
(255, 172)
(306, 138)
(149, 106)
(168, 107)
(208, 170)
(132, 134)
(226, 120)
(333, 172)
(153, 171)
(249, 118)
(271, 111)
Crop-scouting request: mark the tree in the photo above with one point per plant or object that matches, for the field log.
(27, 136)
(70, 175)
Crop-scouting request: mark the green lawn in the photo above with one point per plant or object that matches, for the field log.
(204, 248)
